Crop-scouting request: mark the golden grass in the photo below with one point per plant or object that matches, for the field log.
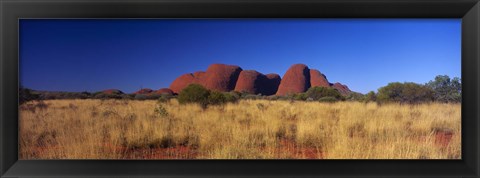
(249, 129)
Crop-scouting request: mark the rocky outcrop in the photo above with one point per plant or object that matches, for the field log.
(112, 91)
(164, 91)
(183, 81)
(295, 80)
(220, 77)
(144, 91)
(250, 81)
(343, 89)
(224, 78)
(317, 79)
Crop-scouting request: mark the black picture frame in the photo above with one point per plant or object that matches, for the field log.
(11, 11)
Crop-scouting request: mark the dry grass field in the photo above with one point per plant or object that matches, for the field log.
(249, 129)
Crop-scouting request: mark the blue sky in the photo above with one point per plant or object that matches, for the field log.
(127, 54)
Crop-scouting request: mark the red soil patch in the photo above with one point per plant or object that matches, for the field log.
(443, 138)
(296, 152)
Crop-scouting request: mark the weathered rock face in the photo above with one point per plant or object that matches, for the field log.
(295, 80)
(250, 81)
(164, 91)
(112, 91)
(343, 89)
(317, 79)
(273, 81)
(198, 75)
(144, 91)
(220, 77)
(224, 78)
(254, 82)
(182, 82)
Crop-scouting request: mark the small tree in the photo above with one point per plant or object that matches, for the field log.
(446, 90)
(354, 96)
(232, 96)
(407, 92)
(216, 98)
(370, 97)
(26, 94)
(328, 99)
(194, 93)
(319, 92)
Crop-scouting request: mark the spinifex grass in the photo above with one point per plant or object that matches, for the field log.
(249, 129)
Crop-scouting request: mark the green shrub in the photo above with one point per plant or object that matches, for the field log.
(216, 98)
(252, 97)
(370, 97)
(354, 96)
(328, 99)
(446, 90)
(273, 97)
(231, 96)
(160, 111)
(165, 98)
(26, 94)
(140, 97)
(319, 92)
(300, 96)
(407, 92)
(194, 93)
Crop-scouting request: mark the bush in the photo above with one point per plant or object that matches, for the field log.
(328, 99)
(194, 93)
(354, 96)
(273, 97)
(232, 96)
(370, 97)
(216, 98)
(252, 97)
(165, 98)
(407, 92)
(300, 96)
(140, 97)
(160, 111)
(319, 92)
(446, 90)
(25, 95)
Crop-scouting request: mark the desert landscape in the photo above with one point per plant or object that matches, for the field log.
(227, 112)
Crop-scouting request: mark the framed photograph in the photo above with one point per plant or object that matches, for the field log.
(240, 88)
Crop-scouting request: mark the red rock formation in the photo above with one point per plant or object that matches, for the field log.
(295, 80)
(144, 91)
(343, 89)
(164, 91)
(317, 79)
(185, 80)
(112, 91)
(220, 77)
(249, 81)
(273, 81)
(199, 74)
